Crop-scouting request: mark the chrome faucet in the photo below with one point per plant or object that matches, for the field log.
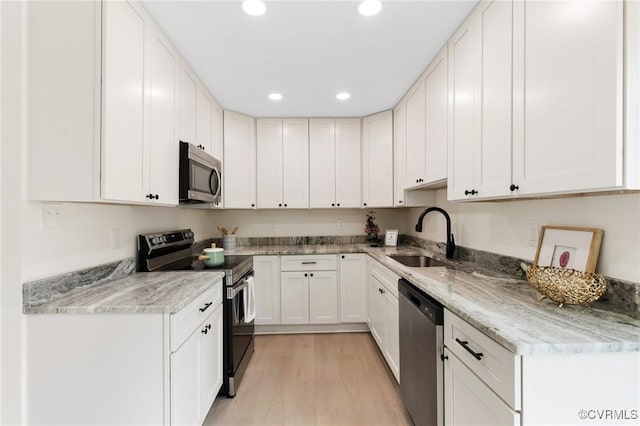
(451, 245)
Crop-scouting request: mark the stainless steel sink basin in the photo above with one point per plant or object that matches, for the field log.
(416, 261)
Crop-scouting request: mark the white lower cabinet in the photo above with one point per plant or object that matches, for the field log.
(266, 274)
(469, 401)
(125, 368)
(353, 288)
(383, 315)
(294, 287)
(486, 384)
(309, 297)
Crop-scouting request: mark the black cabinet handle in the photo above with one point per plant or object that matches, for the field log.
(381, 291)
(279, 205)
(465, 344)
(285, 204)
(333, 204)
(311, 274)
(253, 205)
(306, 275)
(472, 192)
(206, 306)
(400, 201)
(338, 204)
(365, 204)
(343, 256)
(443, 357)
(157, 197)
(208, 326)
(149, 196)
(514, 187)
(204, 330)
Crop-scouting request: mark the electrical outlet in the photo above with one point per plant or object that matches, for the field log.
(274, 227)
(115, 238)
(533, 229)
(51, 216)
(340, 224)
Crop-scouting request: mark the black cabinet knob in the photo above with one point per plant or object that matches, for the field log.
(311, 274)
(280, 205)
(514, 187)
(253, 205)
(342, 256)
(305, 275)
(417, 180)
(365, 204)
(338, 204)
(333, 204)
(204, 330)
(157, 197)
(149, 196)
(472, 192)
(399, 201)
(285, 204)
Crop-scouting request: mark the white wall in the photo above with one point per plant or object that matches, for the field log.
(84, 239)
(286, 223)
(502, 227)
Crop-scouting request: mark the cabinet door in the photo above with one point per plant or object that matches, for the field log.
(377, 160)
(204, 115)
(378, 311)
(163, 149)
(210, 334)
(348, 155)
(436, 124)
(266, 272)
(216, 136)
(353, 288)
(294, 293)
(461, 112)
(323, 297)
(124, 137)
(188, 96)
(239, 179)
(322, 163)
(269, 163)
(568, 95)
(295, 163)
(492, 165)
(185, 382)
(400, 155)
(469, 401)
(415, 134)
(392, 334)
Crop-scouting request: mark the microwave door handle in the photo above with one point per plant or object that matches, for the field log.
(215, 191)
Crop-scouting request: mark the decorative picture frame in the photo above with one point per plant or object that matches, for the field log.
(569, 247)
(391, 237)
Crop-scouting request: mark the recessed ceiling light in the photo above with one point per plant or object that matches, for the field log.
(254, 7)
(343, 96)
(275, 96)
(369, 7)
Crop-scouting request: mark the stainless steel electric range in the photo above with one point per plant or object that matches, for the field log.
(170, 251)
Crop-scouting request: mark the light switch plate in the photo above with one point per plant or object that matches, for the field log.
(51, 216)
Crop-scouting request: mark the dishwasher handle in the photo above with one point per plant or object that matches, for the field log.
(426, 304)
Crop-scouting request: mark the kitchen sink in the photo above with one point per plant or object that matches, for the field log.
(417, 261)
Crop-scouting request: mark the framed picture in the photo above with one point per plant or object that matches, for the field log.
(567, 247)
(391, 237)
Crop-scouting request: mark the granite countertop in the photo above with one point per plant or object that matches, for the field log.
(144, 292)
(502, 307)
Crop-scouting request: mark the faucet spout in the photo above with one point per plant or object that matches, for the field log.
(451, 245)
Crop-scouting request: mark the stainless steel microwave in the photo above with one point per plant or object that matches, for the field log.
(200, 176)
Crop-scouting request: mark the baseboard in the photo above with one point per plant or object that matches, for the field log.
(311, 328)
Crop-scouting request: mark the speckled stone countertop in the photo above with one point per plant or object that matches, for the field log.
(502, 307)
(144, 292)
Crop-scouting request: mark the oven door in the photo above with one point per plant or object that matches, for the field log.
(240, 331)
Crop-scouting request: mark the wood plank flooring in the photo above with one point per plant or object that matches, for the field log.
(314, 379)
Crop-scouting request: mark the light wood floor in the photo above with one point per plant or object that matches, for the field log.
(314, 379)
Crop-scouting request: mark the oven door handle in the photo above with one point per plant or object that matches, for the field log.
(233, 291)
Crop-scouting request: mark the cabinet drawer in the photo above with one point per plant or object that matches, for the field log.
(387, 277)
(497, 367)
(323, 262)
(188, 318)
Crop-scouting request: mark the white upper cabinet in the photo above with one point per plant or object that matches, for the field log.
(377, 160)
(348, 156)
(163, 116)
(334, 163)
(436, 111)
(217, 135)
(461, 103)
(283, 163)
(125, 141)
(204, 117)
(480, 93)
(568, 96)
(414, 107)
(239, 165)
(188, 104)
(399, 155)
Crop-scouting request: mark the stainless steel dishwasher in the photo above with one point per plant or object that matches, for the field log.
(421, 365)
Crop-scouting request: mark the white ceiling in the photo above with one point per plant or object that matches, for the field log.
(308, 51)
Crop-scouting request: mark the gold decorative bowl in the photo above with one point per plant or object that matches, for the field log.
(566, 285)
